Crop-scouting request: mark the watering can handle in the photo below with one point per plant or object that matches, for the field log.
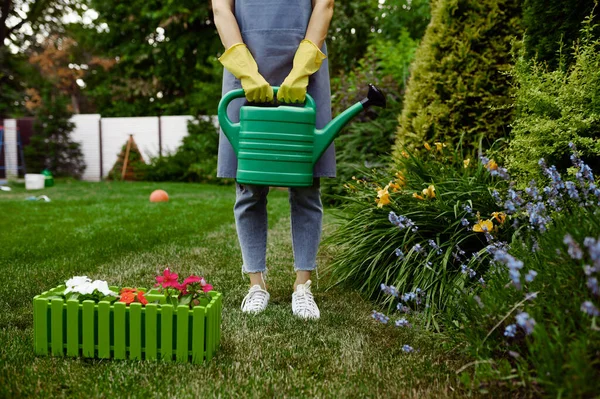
(239, 93)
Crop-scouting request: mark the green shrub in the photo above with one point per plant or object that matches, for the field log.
(374, 244)
(553, 108)
(194, 161)
(549, 23)
(458, 87)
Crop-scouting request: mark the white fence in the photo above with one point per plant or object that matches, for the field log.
(101, 139)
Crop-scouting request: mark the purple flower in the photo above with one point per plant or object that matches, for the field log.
(496, 197)
(402, 222)
(588, 308)
(468, 209)
(593, 247)
(436, 247)
(464, 222)
(481, 281)
(407, 348)
(573, 248)
(572, 190)
(390, 290)
(530, 276)
(380, 317)
(510, 330)
(402, 323)
(592, 284)
(399, 254)
(525, 322)
(417, 248)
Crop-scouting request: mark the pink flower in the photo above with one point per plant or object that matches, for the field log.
(192, 279)
(168, 279)
(207, 287)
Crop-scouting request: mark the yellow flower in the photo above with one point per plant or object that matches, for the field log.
(383, 197)
(427, 146)
(405, 154)
(429, 192)
(491, 165)
(439, 145)
(417, 196)
(400, 179)
(483, 226)
(466, 162)
(395, 187)
(499, 216)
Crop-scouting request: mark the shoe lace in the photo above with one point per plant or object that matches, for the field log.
(305, 301)
(254, 300)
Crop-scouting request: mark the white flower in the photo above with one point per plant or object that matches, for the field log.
(102, 286)
(77, 280)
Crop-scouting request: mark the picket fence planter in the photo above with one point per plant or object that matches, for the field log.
(114, 330)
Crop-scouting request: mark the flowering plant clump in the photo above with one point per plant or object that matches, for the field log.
(434, 217)
(131, 295)
(83, 288)
(193, 291)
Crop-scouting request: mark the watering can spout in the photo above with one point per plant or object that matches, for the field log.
(325, 136)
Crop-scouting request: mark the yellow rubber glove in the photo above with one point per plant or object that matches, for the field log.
(238, 60)
(308, 60)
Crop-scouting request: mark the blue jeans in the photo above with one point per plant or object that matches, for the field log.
(250, 211)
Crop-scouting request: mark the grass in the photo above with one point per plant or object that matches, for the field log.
(110, 231)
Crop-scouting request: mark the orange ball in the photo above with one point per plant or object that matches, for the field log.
(159, 196)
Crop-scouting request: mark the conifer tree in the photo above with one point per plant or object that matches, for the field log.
(458, 86)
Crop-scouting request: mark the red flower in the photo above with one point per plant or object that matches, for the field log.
(168, 279)
(127, 297)
(142, 298)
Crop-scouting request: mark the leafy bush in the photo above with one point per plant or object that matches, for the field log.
(543, 322)
(423, 230)
(194, 161)
(457, 86)
(553, 108)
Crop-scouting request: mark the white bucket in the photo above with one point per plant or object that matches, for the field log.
(34, 181)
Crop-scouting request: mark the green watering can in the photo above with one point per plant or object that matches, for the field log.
(279, 146)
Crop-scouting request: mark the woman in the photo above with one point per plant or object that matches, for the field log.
(276, 43)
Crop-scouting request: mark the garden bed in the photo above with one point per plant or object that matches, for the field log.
(107, 330)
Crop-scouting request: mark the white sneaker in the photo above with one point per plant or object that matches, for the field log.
(256, 300)
(303, 302)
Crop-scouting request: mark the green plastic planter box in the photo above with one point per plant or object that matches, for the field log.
(114, 330)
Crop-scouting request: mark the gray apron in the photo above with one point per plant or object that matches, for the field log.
(272, 30)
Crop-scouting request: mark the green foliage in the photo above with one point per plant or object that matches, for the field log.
(370, 135)
(396, 16)
(51, 146)
(194, 161)
(458, 87)
(162, 47)
(553, 108)
(367, 240)
(561, 355)
(549, 23)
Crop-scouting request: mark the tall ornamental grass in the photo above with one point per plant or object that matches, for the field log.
(420, 227)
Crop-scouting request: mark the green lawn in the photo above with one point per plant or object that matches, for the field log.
(111, 231)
